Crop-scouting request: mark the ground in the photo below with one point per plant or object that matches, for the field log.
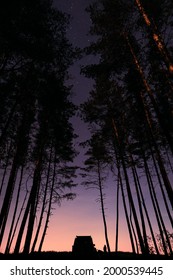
(99, 255)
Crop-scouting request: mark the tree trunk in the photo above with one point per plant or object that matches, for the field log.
(17, 222)
(162, 191)
(49, 208)
(136, 182)
(22, 227)
(149, 180)
(43, 203)
(156, 36)
(134, 233)
(5, 168)
(15, 211)
(161, 118)
(102, 207)
(33, 204)
(8, 195)
(117, 213)
(131, 202)
(124, 200)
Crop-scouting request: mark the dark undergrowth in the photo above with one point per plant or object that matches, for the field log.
(99, 255)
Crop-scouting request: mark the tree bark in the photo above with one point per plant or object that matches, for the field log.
(43, 204)
(15, 211)
(33, 204)
(49, 208)
(102, 207)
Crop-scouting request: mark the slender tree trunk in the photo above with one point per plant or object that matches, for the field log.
(149, 180)
(102, 207)
(130, 197)
(148, 219)
(5, 168)
(12, 178)
(131, 202)
(150, 131)
(160, 216)
(133, 230)
(15, 211)
(49, 208)
(123, 198)
(136, 182)
(17, 222)
(43, 203)
(117, 213)
(161, 118)
(22, 227)
(162, 191)
(8, 195)
(143, 249)
(156, 36)
(33, 204)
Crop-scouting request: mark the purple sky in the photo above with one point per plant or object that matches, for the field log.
(83, 215)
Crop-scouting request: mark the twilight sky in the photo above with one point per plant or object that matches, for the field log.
(82, 216)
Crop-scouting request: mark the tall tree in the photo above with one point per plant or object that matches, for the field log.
(34, 58)
(96, 164)
(128, 103)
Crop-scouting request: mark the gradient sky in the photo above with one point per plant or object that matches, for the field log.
(82, 216)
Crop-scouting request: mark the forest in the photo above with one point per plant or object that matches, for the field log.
(129, 113)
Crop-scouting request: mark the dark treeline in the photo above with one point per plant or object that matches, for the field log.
(35, 108)
(130, 113)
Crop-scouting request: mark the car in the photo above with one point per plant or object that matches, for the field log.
(83, 245)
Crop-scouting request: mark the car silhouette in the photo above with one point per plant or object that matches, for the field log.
(83, 245)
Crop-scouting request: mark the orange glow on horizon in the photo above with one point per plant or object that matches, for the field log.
(69, 223)
(76, 218)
